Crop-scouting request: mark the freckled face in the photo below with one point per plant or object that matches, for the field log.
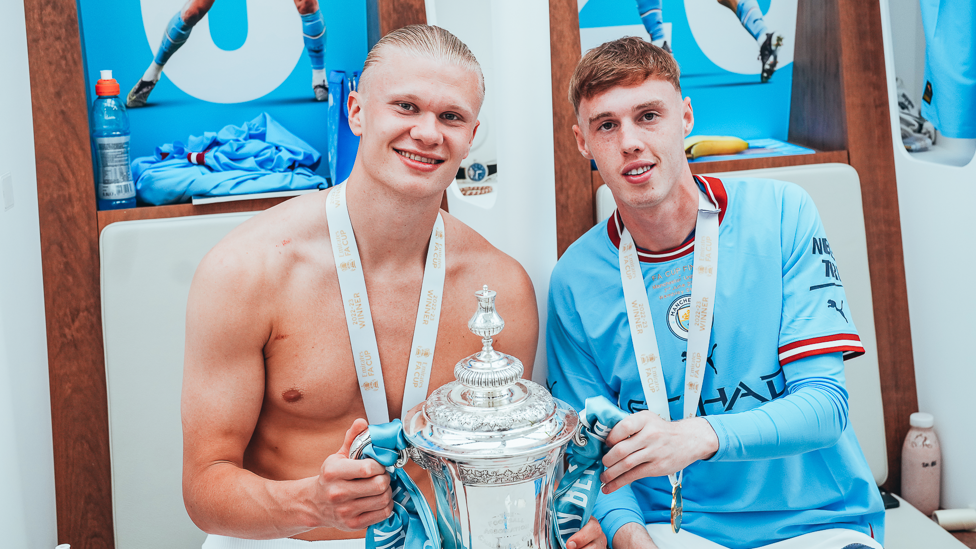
(416, 121)
(636, 135)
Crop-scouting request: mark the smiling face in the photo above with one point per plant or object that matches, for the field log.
(636, 136)
(416, 117)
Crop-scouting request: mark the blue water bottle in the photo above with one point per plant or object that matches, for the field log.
(110, 139)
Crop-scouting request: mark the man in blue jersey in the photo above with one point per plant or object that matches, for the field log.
(769, 41)
(739, 316)
(178, 31)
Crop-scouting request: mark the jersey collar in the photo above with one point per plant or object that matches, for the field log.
(715, 190)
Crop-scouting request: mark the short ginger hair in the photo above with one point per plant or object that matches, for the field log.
(626, 61)
(424, 41)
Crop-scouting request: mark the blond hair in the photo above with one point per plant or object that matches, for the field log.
(623, 62)
(424, 41)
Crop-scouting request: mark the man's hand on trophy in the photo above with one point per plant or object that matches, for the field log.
(644, 445)
(351, 494)
(590, 536)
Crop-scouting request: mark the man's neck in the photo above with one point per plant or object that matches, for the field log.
(666, 225)
(391, 231)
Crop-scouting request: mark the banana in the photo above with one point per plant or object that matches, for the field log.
(695, 139)
(705, 145)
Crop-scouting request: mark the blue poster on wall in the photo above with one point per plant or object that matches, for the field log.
(187, 68)
(718, 45)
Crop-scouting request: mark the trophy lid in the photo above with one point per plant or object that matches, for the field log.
(489, 411)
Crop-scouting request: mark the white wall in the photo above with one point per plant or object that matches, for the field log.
(934, 201)
(510, 38)
(27, 505)
(908, 46)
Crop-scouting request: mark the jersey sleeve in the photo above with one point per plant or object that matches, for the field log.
(815, 316)
(573, 377)
(812, 415)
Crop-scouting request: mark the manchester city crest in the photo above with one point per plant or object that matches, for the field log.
(679, 316)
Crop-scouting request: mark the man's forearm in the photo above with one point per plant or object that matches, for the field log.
(231, 501)
(632, 535)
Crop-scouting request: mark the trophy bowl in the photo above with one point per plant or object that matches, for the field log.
(491, 443)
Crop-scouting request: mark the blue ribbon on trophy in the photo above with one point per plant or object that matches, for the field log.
(580, 486)
(412, 525)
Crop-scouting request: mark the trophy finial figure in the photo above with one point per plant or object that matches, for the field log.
(486, 322)
(488, 374)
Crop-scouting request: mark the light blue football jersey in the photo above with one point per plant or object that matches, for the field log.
(788, 462)
(949, 93)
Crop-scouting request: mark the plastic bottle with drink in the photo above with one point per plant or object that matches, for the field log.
(110, 139)
(921, 464)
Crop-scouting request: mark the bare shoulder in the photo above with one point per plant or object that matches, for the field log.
(235, 300)
(471, 256)
(264, 249)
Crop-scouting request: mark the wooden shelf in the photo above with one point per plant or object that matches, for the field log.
(820, 157)
(967, 538)
(107, 217)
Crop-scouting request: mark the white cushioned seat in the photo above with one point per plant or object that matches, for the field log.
(146, 270)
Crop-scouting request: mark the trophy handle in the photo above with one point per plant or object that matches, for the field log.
(579, 437)
(359, 446)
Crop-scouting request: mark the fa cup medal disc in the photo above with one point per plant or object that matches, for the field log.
(676, 508)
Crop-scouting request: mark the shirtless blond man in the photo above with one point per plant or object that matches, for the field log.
(271, 399)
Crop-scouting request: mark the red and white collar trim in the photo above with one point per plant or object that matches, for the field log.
(716, 193)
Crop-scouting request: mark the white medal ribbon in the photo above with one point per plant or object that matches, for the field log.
(704, 277)
(362, 336)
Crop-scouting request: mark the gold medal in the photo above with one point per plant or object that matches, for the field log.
(676, 507)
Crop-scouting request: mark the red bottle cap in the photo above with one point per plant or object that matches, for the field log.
(106, 85)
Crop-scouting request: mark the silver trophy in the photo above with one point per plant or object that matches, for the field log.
(491, 443)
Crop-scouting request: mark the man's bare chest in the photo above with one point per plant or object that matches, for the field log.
(309, 361)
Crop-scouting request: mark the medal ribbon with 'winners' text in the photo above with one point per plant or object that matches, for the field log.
(703, 283)
(362, 336)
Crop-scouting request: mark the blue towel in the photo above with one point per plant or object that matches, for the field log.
(258, 156)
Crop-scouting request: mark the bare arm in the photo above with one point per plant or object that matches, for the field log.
(633, 536)
(223, 392)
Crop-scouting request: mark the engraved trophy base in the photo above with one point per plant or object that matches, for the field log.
(504, 506)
